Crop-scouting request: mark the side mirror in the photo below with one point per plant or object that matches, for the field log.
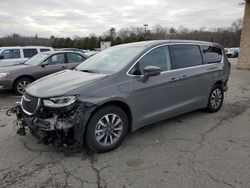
(150, 71)
(1, 57)
(44, 64)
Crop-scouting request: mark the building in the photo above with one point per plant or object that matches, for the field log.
(244, 58)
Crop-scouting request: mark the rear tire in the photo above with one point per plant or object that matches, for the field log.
(106, 129)
(216, 98)
(21, 84)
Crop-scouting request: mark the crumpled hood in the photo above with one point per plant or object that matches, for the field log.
(62, 82)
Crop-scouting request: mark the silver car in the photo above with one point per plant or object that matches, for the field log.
(18, 77)
(122, 89)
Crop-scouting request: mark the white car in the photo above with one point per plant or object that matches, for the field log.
(232, 52)
(16, 55)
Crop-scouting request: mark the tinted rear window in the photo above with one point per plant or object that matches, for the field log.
(211, 54)
(29, 52)
(186, 56)
(44, 49)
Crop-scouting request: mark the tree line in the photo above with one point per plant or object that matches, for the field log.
(227, 36)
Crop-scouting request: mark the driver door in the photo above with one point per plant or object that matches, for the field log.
(54, 63)
(155, 98)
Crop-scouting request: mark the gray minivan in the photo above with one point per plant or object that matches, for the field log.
(122, 89)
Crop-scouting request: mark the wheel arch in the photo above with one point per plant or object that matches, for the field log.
(125, 107)
(22, 76)
(219, 82)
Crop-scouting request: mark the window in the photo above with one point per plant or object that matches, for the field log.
(75, 58)
(159, 57)
(11, 54)
(185, 56)
(211, 54)
(36, 59)
(29, 52)
(56, 59)
(44, 49)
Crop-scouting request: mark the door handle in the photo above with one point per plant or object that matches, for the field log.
(174, 79)
(212, 68)
(177, 78)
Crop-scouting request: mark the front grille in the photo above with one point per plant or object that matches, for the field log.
(29, 104)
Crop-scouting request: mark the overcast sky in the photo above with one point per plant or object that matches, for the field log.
(83, 17)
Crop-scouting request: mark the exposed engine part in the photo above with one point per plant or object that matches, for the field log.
(55, 127)
(63, 125)
(14, 110)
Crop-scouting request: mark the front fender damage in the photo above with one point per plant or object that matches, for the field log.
(81, 117)
(55, 127)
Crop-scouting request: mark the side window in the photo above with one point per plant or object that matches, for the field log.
(11, 54)
(211, 54)
(185, 56)
(159, 57)
(75, 58)
(29, 52)
(44, 49)
(56, 59)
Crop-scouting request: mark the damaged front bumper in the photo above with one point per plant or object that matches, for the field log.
(55, 126)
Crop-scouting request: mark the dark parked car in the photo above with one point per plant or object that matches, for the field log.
(122, 89)
(20, 76)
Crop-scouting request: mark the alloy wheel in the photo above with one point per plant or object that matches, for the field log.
(108, 129)
(21, 86)
(216, 98)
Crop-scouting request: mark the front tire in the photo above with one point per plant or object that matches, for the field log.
(106, 129)
(216, 98)
(21, 84)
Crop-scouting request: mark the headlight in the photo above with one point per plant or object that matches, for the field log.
(58, 102)
(4, 74)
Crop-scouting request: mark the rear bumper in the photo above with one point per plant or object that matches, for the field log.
(225, 86)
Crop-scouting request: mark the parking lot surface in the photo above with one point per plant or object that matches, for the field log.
(197, 149)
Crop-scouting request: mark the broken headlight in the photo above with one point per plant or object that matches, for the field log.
(58, 102)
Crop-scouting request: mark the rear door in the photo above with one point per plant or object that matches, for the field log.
(74, 59)
(189, 72)
(54, 63)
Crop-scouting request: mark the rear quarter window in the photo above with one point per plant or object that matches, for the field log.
(44, 49)
(211, 54)
(75, 58)
(186, 55)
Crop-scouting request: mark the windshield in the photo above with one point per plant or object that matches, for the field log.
(37, 59)
(111, 60)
